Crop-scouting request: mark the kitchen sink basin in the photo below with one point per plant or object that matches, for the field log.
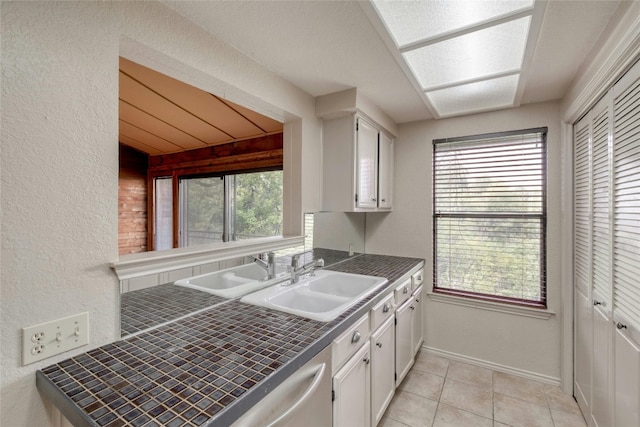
(322, 297)
(233, 282)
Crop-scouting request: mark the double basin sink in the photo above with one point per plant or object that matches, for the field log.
(322, 295)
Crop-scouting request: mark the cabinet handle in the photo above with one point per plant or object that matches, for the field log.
(621, 326)
(405, 290)
(596, 302)
(412, 307)
(374, 199)
(355, 337)
(384, 200)
(417, 300)
(366, 360)
(379, 344)
(386, 308)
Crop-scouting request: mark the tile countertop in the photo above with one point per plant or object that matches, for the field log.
(206, 369)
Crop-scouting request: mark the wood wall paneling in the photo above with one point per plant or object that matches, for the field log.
(132, 201)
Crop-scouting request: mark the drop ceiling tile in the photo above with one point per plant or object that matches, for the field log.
(480, 96)
(412, 21)
(478, 54)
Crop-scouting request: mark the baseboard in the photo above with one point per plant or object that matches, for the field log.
(493, 366)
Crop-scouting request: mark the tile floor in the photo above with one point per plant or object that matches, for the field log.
(438, 392)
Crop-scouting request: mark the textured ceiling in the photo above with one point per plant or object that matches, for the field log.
(328, 46)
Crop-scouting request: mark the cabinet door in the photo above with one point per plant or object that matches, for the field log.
(352, 391)
(602, 403)
(382, 369)
(367, 165)
(385, 173)
(404, 344)
(417, 319)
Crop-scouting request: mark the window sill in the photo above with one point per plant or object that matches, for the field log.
(492, 306)
(142, 264)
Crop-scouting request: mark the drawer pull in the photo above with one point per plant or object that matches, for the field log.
(412, 307)
(355, 337)
(366, 360)
(386, 308)
(405, 290)
(621, 325)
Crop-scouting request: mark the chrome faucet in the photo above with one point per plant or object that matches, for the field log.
(269, 265)
(297, 270)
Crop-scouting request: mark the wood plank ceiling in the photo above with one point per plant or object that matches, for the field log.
(161, 115)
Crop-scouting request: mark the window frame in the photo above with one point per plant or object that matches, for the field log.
(536, 304)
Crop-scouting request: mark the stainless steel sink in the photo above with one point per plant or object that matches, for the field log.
(322, 297)
(233, 282)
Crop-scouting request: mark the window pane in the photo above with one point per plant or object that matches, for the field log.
(163, 221)
(256, 205)
(202, 211)
(489, 216)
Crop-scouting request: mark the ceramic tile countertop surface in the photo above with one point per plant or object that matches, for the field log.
(206, 369)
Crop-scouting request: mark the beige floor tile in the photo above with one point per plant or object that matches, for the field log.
(423, 384)
(567, 419)
(388, 422)
(469, 374)
(560, 401)
(429, 363)
(412, 410)
(468, 397)
(518, 413)
(497, 424)
(448, 416)
(520, 388)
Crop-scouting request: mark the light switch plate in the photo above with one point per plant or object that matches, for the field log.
(54, 337)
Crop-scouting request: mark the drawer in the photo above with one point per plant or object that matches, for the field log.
(349, 342)
(402, 292)
(417, 278)
(382, 311)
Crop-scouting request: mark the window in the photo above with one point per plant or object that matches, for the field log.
(489, 216)
(221, 208)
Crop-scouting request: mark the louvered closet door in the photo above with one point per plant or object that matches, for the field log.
(582, 270)
(602, 398)
(626, 246)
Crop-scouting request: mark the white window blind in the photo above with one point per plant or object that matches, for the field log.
(626, 198)
(489, 217)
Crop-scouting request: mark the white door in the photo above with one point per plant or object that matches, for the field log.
(627, 394)
(383, 383)
(352, 391)
(385, 173)
(404, 344)
(367, 165)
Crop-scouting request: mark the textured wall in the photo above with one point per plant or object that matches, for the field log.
(59, 171)
(518, 342)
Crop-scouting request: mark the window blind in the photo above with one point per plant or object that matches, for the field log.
(489, 216)
(626, 199)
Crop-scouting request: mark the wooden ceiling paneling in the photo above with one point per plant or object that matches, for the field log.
(163, 115)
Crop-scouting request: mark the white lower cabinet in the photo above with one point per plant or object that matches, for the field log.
(351, 391)
(404, 343)
(417, 334)
(382, 369)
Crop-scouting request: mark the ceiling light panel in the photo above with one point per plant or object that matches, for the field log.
(479, 96)
(479, 54)
(414, 21)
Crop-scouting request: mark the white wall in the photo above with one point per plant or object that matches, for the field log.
(511, 341)
(59, 165)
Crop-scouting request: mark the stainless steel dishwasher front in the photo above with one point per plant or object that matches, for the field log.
(303, 399)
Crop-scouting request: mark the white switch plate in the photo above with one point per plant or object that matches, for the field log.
(54, 337)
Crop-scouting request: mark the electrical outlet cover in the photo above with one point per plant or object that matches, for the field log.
(54, 337)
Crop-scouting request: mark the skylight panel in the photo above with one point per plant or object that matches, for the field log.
(480, 54)
(479, 96)
(413, 21)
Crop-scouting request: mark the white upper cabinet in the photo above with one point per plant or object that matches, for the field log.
(357, 166)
